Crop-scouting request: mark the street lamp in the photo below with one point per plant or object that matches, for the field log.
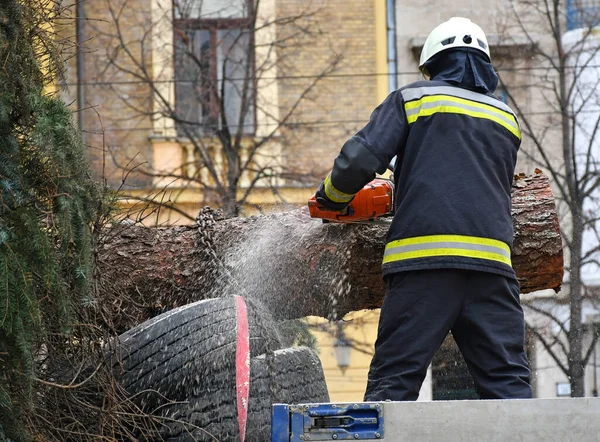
(342, 348)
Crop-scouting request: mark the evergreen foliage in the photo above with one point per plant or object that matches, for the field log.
(47, 205)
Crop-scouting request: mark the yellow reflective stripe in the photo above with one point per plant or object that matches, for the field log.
(447, 252)
(473, 106)
(471, 103)
(447, 245)
(335, 195)
(448, 238)
(462, 111)
(487, 112)
(416, 93)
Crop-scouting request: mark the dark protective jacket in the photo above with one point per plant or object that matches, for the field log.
(456, 151)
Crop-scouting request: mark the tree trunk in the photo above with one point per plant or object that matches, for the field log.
(575, 336)
(294, 265)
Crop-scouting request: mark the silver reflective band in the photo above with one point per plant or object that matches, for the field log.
(420, 92)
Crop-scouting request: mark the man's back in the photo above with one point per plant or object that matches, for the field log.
(454, 175)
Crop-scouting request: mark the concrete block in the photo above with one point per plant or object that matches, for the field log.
(528, 420)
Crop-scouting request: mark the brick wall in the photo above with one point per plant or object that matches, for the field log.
(114, 99)
(340, 104)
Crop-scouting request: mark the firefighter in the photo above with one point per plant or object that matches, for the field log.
(447, 260)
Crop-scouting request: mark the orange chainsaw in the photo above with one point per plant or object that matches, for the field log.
(371, 203)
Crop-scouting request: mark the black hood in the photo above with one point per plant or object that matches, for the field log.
(465, 67)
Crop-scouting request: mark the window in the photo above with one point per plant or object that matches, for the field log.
(582, 14)
(213, 41)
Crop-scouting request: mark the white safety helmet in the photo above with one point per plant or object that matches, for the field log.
(458, 32)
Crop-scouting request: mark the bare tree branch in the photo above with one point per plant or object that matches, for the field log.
(549, 315)
(549, 349)
(592, 346)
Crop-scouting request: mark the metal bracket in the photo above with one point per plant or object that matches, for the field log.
(355, 421)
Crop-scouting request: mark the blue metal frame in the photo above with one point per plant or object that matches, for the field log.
(582, 14)
(318, 422)
(280, 423)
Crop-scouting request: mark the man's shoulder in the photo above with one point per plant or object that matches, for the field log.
(419, 89)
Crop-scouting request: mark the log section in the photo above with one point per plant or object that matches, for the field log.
(294, 265)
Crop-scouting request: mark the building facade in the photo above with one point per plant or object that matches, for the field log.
(151, 80)
(156, 79)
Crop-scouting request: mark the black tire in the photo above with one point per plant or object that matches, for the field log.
(293, 375)
(298, 378)
(188, 355)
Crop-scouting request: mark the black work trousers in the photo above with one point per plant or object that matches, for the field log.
(484, 314)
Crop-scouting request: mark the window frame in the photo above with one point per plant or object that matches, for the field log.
(213, 26)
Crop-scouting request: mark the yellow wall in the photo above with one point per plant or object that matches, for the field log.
(381, 45)
(191, 200)
(48, 27)
(361, 329)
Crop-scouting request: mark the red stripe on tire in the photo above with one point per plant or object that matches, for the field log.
(242, 364)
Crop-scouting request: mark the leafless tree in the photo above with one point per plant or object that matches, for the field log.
(555, 93)
(210, 70)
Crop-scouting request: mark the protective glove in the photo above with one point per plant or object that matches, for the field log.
(322, 199)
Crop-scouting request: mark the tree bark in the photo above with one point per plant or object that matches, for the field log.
(293, 265)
